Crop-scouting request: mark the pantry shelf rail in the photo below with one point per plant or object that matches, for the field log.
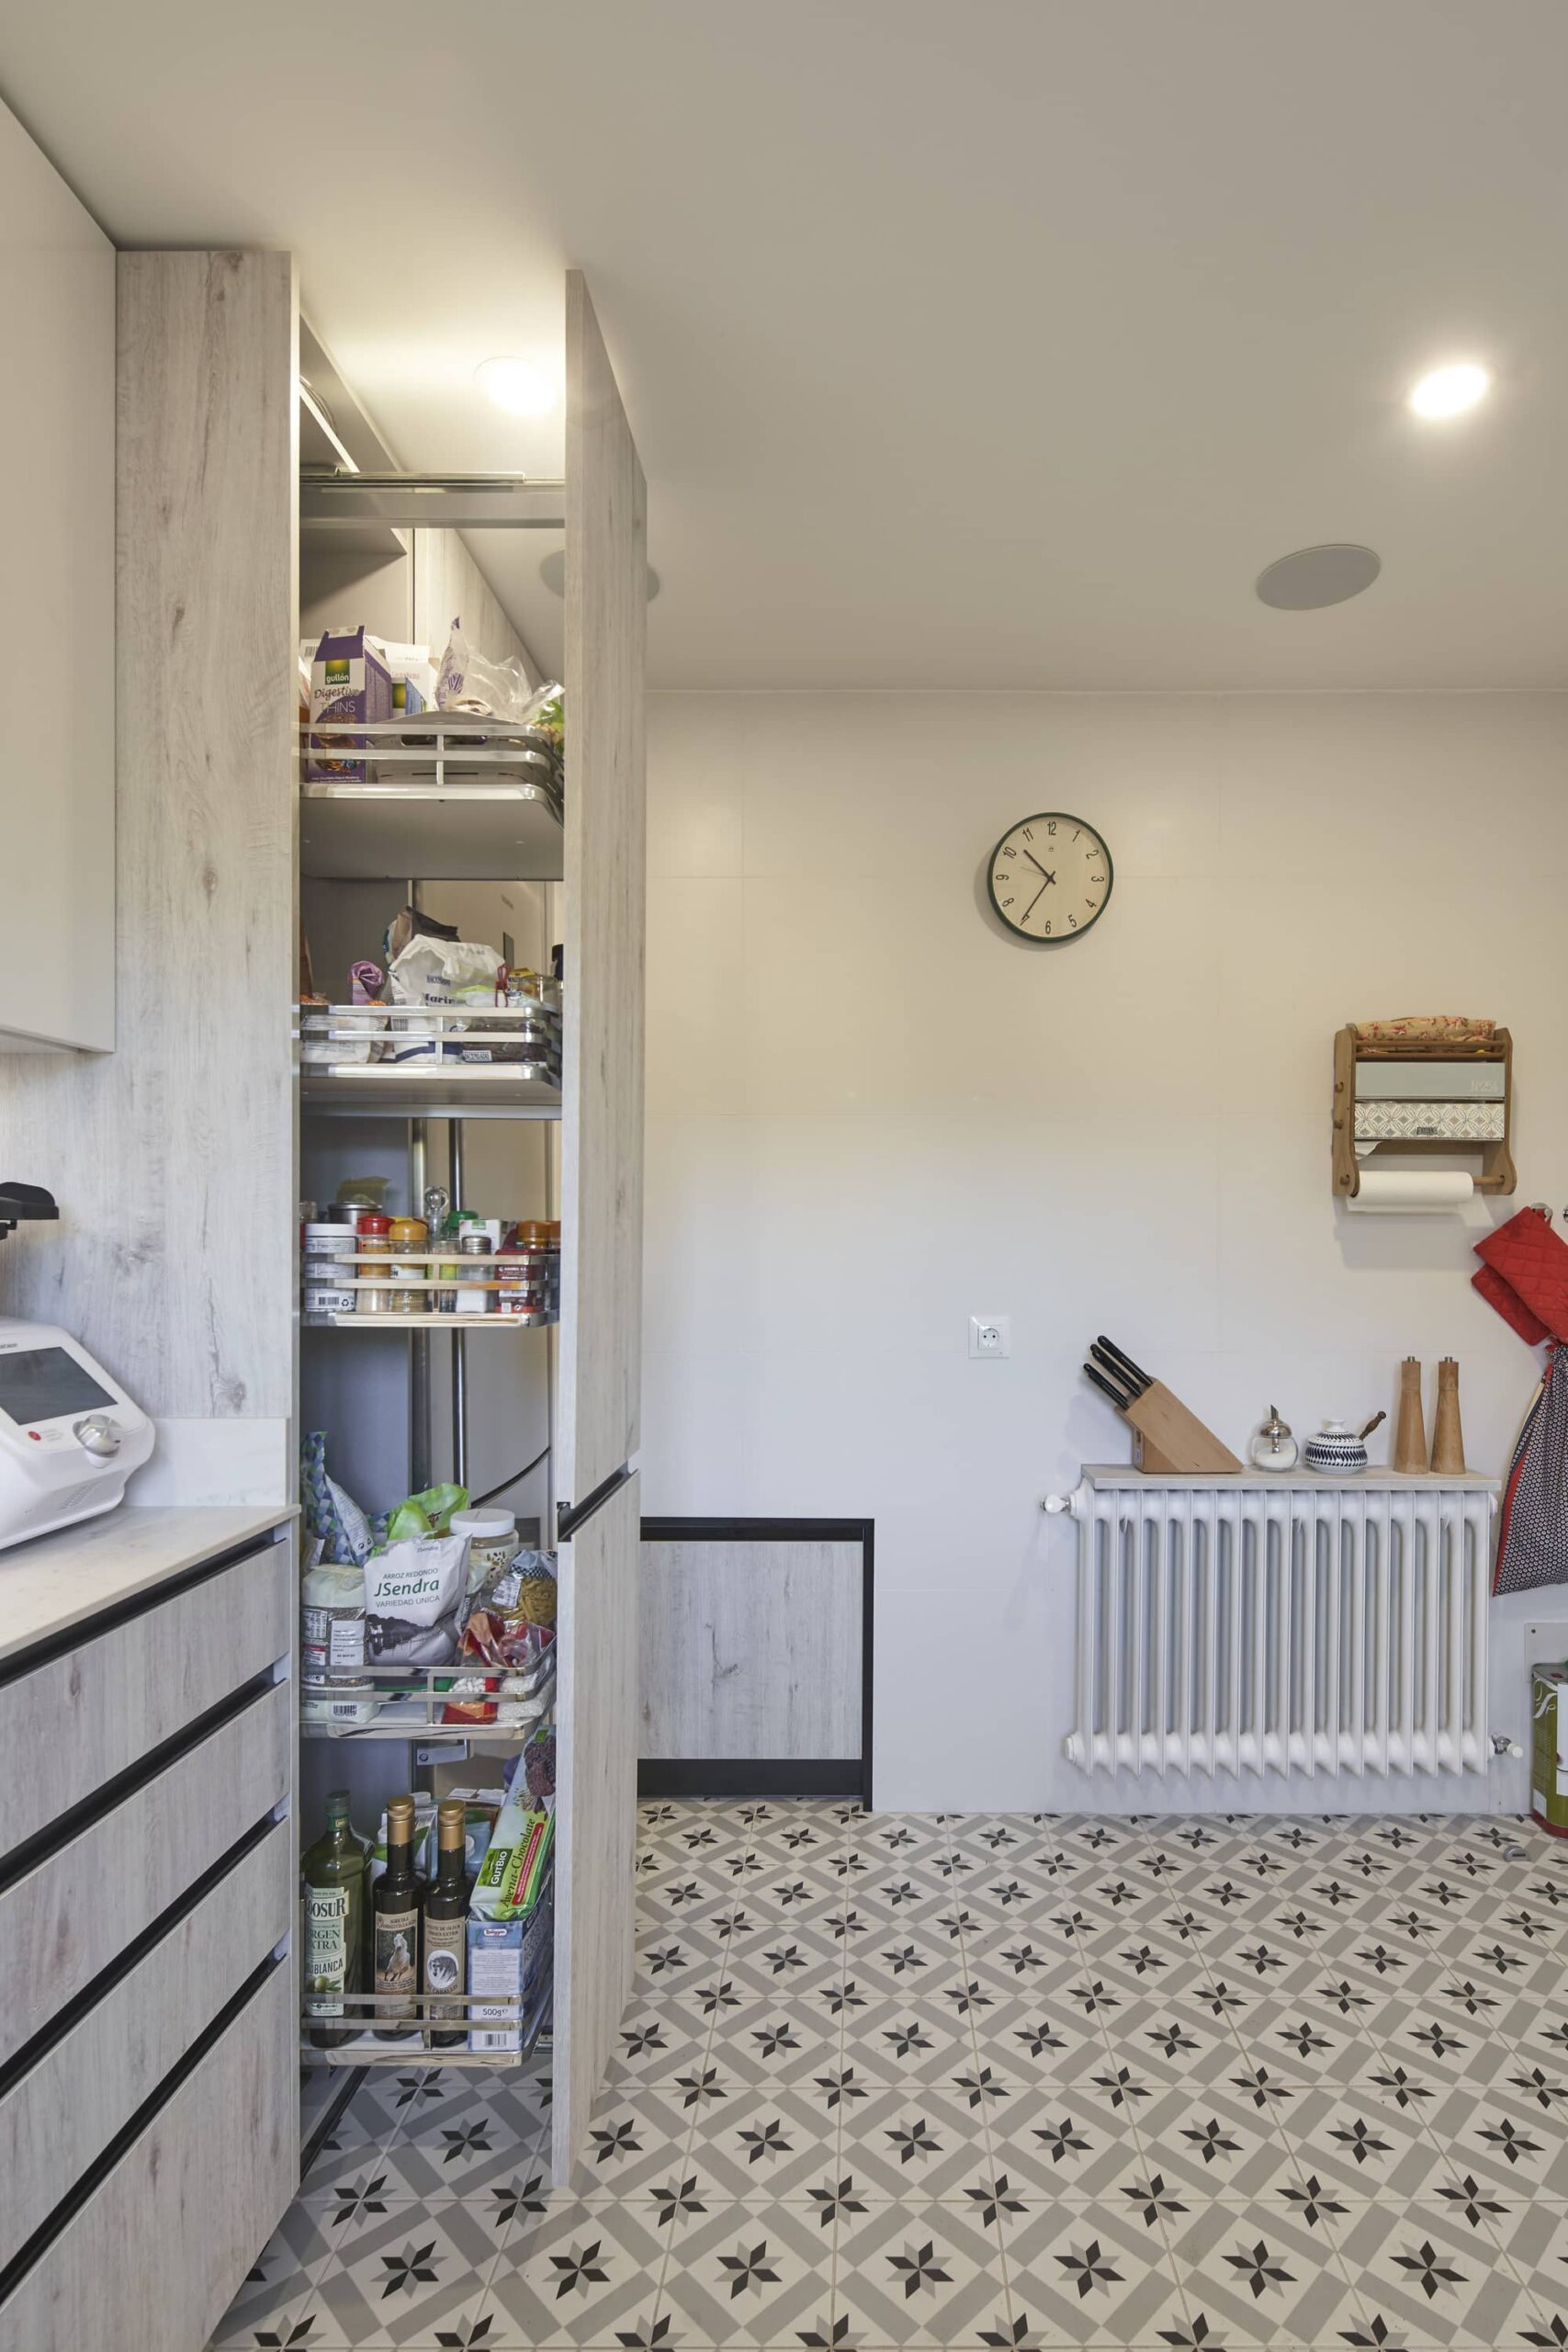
(348, 2030)
(471, 1699)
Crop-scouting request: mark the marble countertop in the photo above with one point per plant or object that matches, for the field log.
(56, 1581)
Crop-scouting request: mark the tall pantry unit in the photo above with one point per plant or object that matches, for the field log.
(456, 825)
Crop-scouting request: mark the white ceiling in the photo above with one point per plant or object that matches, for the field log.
(966, 342)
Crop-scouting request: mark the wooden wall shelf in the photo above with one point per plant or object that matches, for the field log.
(1496, 1174)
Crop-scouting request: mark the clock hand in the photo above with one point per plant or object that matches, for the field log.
(1036, 863)
(1032, 904)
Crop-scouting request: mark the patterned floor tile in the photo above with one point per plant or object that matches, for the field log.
(584, 2274)
(774, 2142)
(633, 2137)
(915, 2141)
(1421, 2269)
(1533, 2235)
(1367, 2148)
(1263, 2274)
(918, 2275)
(1504, 2139)
(775, 2042)
(745, 2274)
(1094, 2273)
(1215, 2145)
(655, 2041)
(402, 2276)
(1029, 2053)
(907, 2042)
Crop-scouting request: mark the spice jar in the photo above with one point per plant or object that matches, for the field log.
(407, 1234)
(493, 1542)
(474, 1296)
(327, 1267)
(373, 1240)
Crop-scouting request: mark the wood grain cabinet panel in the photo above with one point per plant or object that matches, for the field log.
(751, 1648)
(66, 1920)
(595, 1807)
(69, 1728)
(65, 2111)
(152, 2260)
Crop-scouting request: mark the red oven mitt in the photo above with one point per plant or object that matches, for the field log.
(1524, 1274)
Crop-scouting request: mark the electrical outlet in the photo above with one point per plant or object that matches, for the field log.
(989, 1335)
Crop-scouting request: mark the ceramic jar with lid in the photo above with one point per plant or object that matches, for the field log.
(1336, 1451)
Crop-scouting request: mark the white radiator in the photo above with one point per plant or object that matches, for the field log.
(1232, 1626)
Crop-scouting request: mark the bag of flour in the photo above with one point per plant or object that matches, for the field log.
(415, 1598)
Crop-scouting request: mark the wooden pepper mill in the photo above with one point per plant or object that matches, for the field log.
(1447, 1437)
(1410, 1430)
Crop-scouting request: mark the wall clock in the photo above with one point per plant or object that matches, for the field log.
(1050, 878)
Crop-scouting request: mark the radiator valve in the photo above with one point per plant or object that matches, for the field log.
(1503, 1746)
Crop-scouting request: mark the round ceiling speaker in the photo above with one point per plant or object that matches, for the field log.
(1313, 577)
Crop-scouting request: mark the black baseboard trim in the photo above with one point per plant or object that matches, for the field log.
(751, 1776)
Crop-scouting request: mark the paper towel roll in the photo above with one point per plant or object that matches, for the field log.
(1410, 1192)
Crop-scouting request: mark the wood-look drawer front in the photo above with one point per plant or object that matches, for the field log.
(72, 1916)
(158, 2251)
(70, 1727)
(65, 2111)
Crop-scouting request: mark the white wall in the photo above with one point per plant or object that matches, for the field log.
(872, 1114)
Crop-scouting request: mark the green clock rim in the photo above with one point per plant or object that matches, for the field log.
(1041, 817)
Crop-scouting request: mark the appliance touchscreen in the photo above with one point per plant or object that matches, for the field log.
(38, 1383)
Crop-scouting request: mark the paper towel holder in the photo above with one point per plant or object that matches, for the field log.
(1496, 1173)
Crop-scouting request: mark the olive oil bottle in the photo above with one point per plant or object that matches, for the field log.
(446, 1930)
(397, 1907)
(333, 1875)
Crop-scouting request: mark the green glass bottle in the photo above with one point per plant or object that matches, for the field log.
(334, 1875)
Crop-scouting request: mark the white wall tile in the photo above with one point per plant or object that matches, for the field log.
(871, 1115)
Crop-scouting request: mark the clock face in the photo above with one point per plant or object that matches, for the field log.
(1050, 878)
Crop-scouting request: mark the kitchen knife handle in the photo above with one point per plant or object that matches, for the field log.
(1118, 1371)
(1129, 1369)
(1115, 1395)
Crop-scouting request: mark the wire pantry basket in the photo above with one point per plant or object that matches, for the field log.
(400, 2028)
(523, 1037)
(436, 751)
(466, 1699)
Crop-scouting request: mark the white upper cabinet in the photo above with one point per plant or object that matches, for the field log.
(57, 609)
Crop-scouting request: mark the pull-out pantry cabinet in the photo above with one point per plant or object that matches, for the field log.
(176, 1160)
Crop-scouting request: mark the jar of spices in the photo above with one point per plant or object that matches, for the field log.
(474, 1295)
(373, 1241)
(493, 1542)
(407, 1234)
(327, 1267)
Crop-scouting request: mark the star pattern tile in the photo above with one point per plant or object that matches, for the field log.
(999, 2081)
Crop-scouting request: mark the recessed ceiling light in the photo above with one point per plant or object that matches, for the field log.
(1448, 391)
(1312, 577)
(517, 386)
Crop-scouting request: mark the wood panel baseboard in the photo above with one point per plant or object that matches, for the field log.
(685, 1720)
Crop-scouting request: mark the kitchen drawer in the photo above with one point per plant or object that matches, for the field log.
(67, 2108)
(71, 1915)
(155, 2255)
(69, 1726)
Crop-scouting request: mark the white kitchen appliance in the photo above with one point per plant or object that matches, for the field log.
(70, 1437)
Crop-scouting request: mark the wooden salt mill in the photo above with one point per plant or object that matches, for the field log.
(1447, 1437)
(1410, 1430)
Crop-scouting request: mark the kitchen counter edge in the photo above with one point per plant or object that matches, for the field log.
(56, 1581)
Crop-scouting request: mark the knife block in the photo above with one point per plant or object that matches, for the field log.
(1170, 1442)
